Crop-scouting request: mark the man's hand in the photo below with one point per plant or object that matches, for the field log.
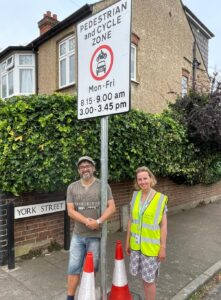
(92, 224)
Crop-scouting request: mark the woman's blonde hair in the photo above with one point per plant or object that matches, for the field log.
(153, 181)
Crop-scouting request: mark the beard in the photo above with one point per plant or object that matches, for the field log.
(87, 176)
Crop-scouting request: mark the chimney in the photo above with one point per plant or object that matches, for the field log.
(47, 22)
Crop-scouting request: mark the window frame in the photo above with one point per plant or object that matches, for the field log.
(184, 89)
(66, 58)
(14, 68)
(134, 63)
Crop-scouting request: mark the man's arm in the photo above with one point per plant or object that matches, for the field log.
(75, 215)
(109, 211)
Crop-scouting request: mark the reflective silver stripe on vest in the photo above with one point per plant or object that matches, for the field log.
(152, 227)
(134, 234)
(157, 214)
(146, 240)
(135, 221)
(148, 226)
(134, 198)
(152, 241)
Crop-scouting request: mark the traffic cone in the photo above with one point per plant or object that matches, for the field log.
(119, 289)
(87, 286)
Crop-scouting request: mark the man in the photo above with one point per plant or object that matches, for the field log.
(83, 204)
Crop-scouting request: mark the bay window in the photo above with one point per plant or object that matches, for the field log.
(17, 75)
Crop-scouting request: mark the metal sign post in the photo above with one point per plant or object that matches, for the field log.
(103, 42)
(104, 176)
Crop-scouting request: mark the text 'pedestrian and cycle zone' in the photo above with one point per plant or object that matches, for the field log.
(104, 62)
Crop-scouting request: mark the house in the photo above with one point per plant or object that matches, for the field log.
(163, 37)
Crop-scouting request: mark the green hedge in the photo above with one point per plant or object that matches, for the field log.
(41, 140)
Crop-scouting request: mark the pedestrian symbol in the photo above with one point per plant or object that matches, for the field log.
(101, 62)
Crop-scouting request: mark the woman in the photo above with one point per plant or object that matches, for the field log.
(147, 231)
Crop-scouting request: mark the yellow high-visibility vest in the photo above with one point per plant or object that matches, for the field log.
(145, 228)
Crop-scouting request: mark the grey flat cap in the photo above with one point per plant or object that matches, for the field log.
(86, 158)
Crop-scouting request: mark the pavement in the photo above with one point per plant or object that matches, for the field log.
(193, 257)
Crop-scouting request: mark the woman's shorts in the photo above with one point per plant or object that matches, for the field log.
(78, 249)
(147, 266)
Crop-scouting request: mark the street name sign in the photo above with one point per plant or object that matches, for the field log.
(104, 62)
(39, 209)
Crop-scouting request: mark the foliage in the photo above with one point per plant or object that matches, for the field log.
(201, 115)
(157, 141)
(41, 140)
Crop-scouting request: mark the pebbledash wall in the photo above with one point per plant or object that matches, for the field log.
(38, 232)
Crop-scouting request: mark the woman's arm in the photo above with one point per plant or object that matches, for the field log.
(163, 238)
(127, 241)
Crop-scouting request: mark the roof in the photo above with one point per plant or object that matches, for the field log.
(10, 49)
(192, 18)
(77, 16)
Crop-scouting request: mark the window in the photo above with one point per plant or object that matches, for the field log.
(10, 63)
(7, 84)
(184, 82)
(184, 86)
(133, 62)
(17, 75)
(10, 83)
(4, 86)
(66, 62)
(26, 74)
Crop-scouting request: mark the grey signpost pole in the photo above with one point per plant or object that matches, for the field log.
(104, 175)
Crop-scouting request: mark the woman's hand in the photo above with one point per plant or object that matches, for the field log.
(162, 254)
(127, 247)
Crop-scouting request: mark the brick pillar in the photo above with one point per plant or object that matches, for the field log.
(4, 199)
(3, 230)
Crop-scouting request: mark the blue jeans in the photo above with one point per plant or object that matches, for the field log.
(79, 247)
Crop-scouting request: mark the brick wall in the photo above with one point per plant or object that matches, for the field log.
(39, 231)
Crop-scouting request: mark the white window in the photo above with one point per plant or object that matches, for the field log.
(10, 63)
(184, 85)
(17, 75)
(10, 83)
(66, 62)
(4, 86)
(26, 74)
(133, 62)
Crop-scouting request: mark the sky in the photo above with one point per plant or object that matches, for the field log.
(19, 18)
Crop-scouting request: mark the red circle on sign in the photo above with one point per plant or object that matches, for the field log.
(111, 62)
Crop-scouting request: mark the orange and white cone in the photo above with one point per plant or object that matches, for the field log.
(87, 286)
(119, 289)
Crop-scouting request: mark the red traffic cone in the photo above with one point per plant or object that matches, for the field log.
(119, 289)
(87, 286)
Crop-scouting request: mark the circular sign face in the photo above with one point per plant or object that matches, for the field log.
(101, 62)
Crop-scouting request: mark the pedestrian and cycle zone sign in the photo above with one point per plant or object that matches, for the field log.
(104, 62)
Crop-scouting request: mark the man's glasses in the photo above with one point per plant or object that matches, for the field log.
(84, 167)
